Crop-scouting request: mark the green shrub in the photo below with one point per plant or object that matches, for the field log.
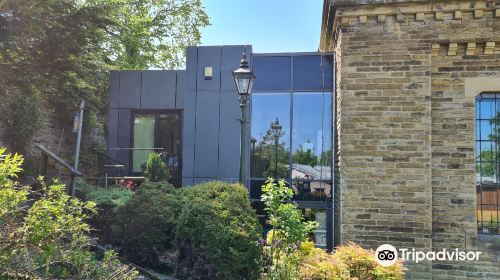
(281, 249)
(348, 262)
(42, 235)
(145, 224)
(216, 233)
(107, 202)
(155, 169)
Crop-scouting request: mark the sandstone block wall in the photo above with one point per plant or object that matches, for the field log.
(407, 77)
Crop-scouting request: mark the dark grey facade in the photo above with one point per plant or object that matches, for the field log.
(193, 115)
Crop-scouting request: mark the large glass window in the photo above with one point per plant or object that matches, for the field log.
(307, 72)
(273, 72)
(488, 162)
(270, 154)
(311, 136)
(302, 157)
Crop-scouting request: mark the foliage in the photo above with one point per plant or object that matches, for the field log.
(145, 224)
(317, 264)
(281, 248)
(56, 52)
(155, 169)
(153, 33)
(23, 115)
(216, 233)
(305, 157)
(265, 160)
(43, 235)
(348, 262)
(107, 202)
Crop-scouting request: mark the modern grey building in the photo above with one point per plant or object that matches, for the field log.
(192, 117)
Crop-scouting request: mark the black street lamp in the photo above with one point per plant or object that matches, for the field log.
(276, 131)
(243, 77)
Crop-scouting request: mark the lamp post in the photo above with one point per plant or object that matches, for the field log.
(276, 130)
(244, 78)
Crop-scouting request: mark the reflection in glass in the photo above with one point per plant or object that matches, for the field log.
(487, 162)
(311, 136)
(319, 215)
(487, 110)
(270, 157)
(312, 190)
(307, 72)
(144, 137)
(273, 72)
(327, 63)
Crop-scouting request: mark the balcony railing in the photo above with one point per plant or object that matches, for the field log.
(111, 169)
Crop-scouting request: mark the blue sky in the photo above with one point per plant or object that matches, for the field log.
(268, 25)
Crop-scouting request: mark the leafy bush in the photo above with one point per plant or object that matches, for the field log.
(45, 238)
(155, 169)
(348, 262)
(107, 202)
(281, 249)
(145, 224)
(216, 233)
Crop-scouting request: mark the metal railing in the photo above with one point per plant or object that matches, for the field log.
(46, 153)
(112, 169)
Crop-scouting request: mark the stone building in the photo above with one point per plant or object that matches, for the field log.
(409, 76)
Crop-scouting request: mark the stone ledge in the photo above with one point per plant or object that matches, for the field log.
(341, 3)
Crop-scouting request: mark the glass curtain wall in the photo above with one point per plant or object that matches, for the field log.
(303, 149)
(296, 91)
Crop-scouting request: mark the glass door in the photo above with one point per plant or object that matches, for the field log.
(158, 131)
(144, 139)
(169, 139)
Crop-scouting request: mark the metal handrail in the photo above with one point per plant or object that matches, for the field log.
(47, 153)
(73, 171)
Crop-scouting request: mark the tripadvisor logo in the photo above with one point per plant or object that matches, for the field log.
(387, 255)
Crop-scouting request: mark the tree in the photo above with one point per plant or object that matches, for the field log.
(153, 33)
(305, 157)
(53, 53)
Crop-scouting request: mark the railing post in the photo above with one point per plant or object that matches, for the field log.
(44, 165)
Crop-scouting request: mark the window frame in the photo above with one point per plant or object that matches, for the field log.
(478, 140)
(156, 113)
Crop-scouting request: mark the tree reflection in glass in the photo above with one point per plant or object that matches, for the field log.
(488, 142)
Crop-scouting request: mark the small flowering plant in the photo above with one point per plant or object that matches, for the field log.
(281, 248)
(128, 184)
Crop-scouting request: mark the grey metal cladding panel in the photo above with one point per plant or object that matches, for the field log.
(229, 135)
(130, 89)
(158, 89)
(207, 135)
(208, 57)
(202, 180)
(188, 132)
(124, 134)
(114, 89)
(191, 67)
(231, 56)
(181, 89)
(112, 131)
(124, 128)
(186, 182)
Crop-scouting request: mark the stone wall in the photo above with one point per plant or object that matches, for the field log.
(407, 77)
(3, 135)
